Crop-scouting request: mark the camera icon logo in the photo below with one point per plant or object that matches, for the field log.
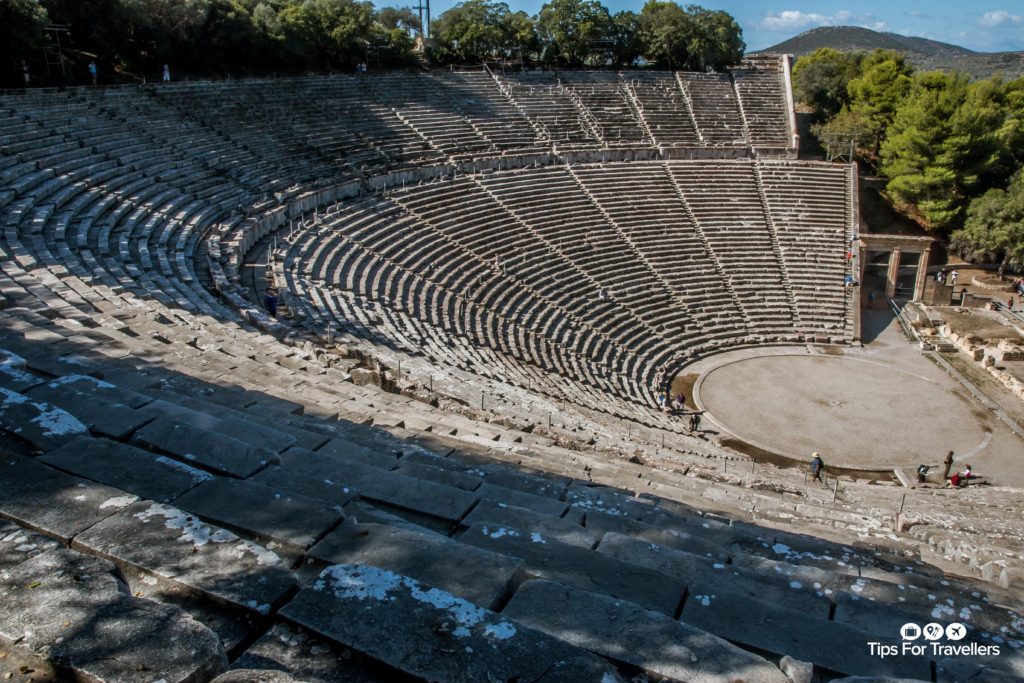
(910, 631)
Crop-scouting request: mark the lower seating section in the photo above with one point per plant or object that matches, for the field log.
(607, 275)
(249, 534)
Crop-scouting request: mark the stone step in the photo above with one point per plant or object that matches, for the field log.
(41, 425)
(479, 576)
(205, 560)
(547, 558)
(101, 406)
(131, 469)
(52, 502)
(70, 610)
(431, 634)
(203, 447)
(294, 653)
(423, 497)
(495, 514)
(775, 629)
(265, 513)
(624, 632)
(705, 576)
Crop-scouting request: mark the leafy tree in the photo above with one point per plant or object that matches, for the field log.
(571, 30)
(471, 31)
(995, 226)
(627, 44)
(332, 33)
(820, 79)
(398, 17)
(21, 35)
(876, 93)
(693, 38)
(943, 146)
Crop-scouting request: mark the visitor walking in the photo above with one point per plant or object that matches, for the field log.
(92, 71)
(953, 276)
(817, 465)
(270, 302)
(166, 75)
(922, 473)
(947, 464)
(26, 73)
(695, 422)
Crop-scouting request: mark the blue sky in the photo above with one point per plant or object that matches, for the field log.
(983, 25)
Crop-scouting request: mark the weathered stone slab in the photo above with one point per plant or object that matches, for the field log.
(43, 426)
(149, 476)
(350, 451)
(14, 374)
(500, 494)
(18, 544)
(496, 514)
(255, 434)
(601, 523)
(261, 511)
(466, 481)
(202, 447)
(174, 545)
(624, 632)
(57, 504)
(310, 487)
(608, 501)
(254, 676)
(431, 634)
(101, 406)
(785, 632)
(546, 558)
(959, 669)
(706, 576)
(290, 651)
(479, 576)
(70, 610)
(420, 496)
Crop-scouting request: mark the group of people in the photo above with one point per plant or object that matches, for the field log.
(956, 480)
(940, 277)
(94, 72)
(677, 405)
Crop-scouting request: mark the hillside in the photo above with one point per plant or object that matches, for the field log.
(923, 53)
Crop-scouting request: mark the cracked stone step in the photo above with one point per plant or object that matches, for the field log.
(263, 512)
(624, 632)
(209, 449)
(206, 560)
(40, 424)
(479, 576)
(431, 634)
(52, 502)
(547, 558)
(71, 610)
(780, 631)
(131, 469)
(294, 652)
(81, 388)
(497, 514)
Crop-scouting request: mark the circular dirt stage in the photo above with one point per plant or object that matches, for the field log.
(858, 413)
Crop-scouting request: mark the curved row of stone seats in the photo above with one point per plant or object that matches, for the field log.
(765, 114)
(610, 105)
(805, 202)
(662, 106)
(454, 526)
(547, 102)
(374, 265)
(716, 110)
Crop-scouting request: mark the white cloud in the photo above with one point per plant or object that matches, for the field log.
(792, 20)
(999, 18)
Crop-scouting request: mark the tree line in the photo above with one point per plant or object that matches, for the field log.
(951, 149)
(132, 39)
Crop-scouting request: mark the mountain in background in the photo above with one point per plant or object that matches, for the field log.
(924, 54)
